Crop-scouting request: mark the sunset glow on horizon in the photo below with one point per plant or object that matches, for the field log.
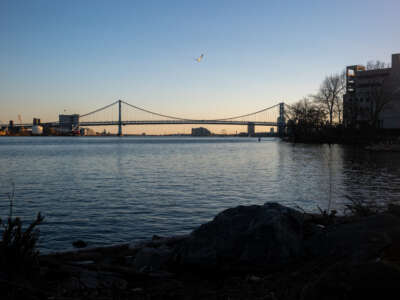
(78, 56)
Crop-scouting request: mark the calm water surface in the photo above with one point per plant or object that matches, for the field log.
(111, 190)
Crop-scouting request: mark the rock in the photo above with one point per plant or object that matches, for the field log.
(253, 278)
(371, 280)
(152, 259)
(394, 209)
(255, 236)
(79, 244)
(87, 279)
(360, 240)
(158, 241)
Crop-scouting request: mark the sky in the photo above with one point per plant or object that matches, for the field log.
(76, 56)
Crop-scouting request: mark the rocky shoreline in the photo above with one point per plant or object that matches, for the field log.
(384, 147)
(248, 252)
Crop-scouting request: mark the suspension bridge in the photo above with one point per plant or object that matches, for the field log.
(121, 113)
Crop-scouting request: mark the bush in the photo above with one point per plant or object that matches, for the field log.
(18, 254)
(362, 208)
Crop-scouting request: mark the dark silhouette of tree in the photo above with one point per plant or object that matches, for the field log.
(382, 90)
(376, 64)
(381, 93)
(330, 96)
(305, 117)
(352, 111)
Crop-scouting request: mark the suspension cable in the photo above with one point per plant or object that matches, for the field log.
(183, 119)
(154, 113)
(242, 116)
(100, 109)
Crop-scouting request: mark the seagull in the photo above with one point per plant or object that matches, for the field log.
(199, 58)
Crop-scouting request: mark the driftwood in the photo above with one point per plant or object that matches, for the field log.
(114, 251)
(92, 254)
(115, 260)
(116, 269)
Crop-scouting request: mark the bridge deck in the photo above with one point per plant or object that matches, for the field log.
(175, 122)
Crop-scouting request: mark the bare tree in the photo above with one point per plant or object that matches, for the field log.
(352, 111)
(330, 95)
(305, 119)
(376, 64)
(381, 92)
(306, 113)
(338, 109)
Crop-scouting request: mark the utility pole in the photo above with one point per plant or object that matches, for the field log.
(119, 118)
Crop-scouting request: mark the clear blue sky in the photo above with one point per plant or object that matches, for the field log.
(80, 55)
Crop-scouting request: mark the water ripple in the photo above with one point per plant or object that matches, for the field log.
(112, 190)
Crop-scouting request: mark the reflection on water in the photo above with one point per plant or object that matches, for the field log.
(109, 190)
(371, 175)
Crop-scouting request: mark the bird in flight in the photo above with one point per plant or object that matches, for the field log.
(199, 58)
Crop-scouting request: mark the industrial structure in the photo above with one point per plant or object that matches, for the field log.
(68, 123)
(372, 96)
(201, 131)
(37, 129)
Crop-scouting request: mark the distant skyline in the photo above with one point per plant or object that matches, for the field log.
(80, 55)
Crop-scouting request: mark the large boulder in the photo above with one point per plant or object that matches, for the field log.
(266, 235)
(359, 240)
(152, 259)
(370, 280)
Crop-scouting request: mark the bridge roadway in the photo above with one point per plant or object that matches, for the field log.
(178, 122)
(168, 122)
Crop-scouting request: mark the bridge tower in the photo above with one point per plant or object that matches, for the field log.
(281, 119)
(119, 118)
(250, 129)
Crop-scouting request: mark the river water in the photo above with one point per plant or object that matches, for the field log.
(108, 190)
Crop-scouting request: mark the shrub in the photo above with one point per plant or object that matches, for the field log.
(362, 208)
(18, 254)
